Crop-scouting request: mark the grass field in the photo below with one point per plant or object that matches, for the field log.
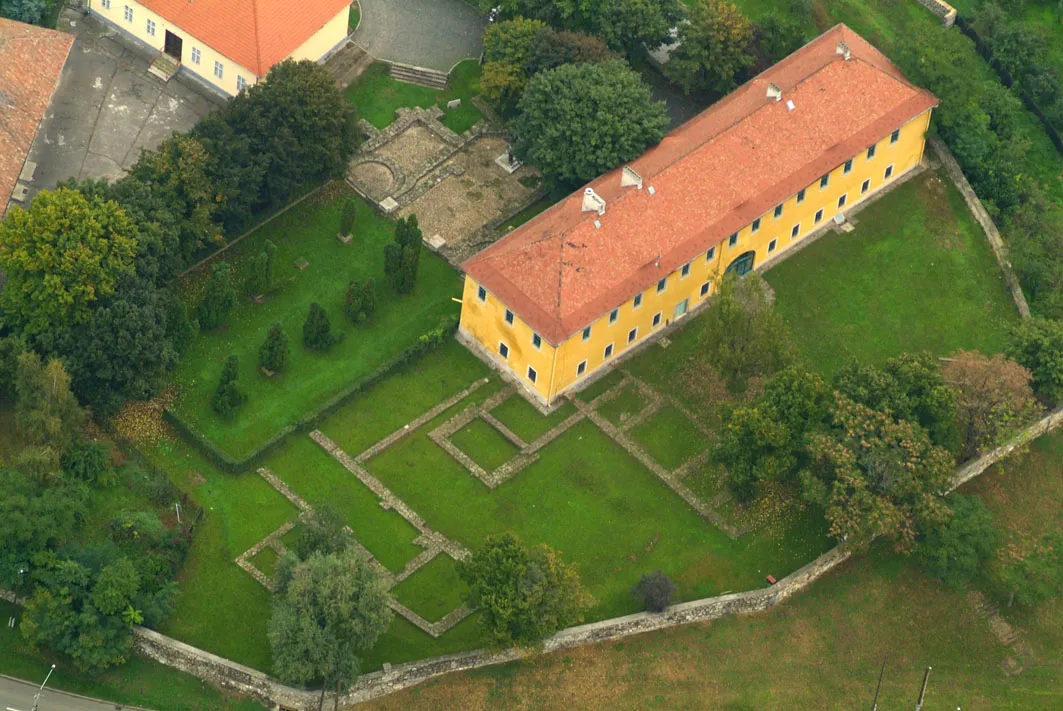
(433, 591)
(307, 231)
(376, 96)
(916, 274)
(826, 643)
(526, 422)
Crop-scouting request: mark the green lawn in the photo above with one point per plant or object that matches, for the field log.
(826, 643)
(266, 561)
(486, 445)
(624, 406)
(600, 386)
(314, 475)
(667, 437)
(377, 96)
(308, 231)
(140, 682)
(521, 417)
(434, 590)
(916, 274)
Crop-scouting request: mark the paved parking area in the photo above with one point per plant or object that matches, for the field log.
(107, 108)
(436, 34)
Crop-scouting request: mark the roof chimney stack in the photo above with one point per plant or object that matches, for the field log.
(629, 177)
(774, 92)
(842, 50)
(592, 202)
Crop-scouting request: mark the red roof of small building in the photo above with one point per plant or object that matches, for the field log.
(711, 176)
(254, 33)
(31, 60)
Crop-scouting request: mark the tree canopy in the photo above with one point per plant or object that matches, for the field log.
(715, 48)
(578, 121)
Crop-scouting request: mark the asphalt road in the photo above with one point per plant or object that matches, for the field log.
(18, 696)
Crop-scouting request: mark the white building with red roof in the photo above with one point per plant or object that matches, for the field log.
(229, 44)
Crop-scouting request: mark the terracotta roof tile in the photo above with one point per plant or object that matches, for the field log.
(253, 33)
(31, 61)
(712, 176)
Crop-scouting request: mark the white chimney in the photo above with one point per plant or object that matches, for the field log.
(774, 92)
(842, 50)
(592, 202)
(629, 177)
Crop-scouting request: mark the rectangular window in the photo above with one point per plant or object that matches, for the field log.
(865, 186)
(756, 225)
(848, 167)
(537, 340)
(241, 84)
(608, 352)
(710, 254)
(819, 215)
(895, 135)
(841, 200)
(587, 333)
(800, 196)
(771, 245)
(657, 319)
(106, 4)
(685, 271)
(613, 314)
(795, 230)
(509, 317)
(662, 284)
(503, 349)
(151, 27)
(532, 375)
(632, 335)
(219, 70)
(128, 14)
(705, 288)
(481, 293)
(196, 55)
(778, 211)
(732, 240)
(638, 300)
(870, 152)
(824, 181)
(581, 368)
(889, 172)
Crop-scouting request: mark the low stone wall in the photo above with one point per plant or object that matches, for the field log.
(974, 468)
(952, 169)
(946, 12)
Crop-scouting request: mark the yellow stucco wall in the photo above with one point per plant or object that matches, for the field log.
(321, 42)
(557, 367)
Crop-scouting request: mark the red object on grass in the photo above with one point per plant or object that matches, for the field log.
(771, 580)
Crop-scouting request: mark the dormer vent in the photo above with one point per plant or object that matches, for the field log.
(652, 190)
(629, 177)
(790, 105)
(593, 202)
(842, 50)
(774, 92)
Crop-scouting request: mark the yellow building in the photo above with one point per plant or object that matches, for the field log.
(230, 44)
(730, 190)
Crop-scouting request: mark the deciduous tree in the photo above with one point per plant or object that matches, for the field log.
(562, 108)
(1037, 344)
(654, 591)
(715, 48)
(524, 595)
(993, 399)
(47, 414)
(60, 257)
(956, 551)
(219, 298)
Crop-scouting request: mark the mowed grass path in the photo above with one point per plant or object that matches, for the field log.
(916, 274)
(308, 231)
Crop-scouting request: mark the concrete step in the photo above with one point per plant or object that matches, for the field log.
(348, 64)
(419, 75)
(164, 66)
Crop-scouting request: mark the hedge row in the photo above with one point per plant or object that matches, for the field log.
(425, 344)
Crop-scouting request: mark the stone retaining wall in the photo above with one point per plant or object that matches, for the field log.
(946, 12)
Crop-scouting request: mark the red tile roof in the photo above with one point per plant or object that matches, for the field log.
(31, 60)
(253, 33)
(712, 176)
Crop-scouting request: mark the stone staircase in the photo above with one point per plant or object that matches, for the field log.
(419, 75)
(164, 66)
(347, 64)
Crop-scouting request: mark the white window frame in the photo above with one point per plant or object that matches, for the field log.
(842, 199)
(871, 151)
(865, 186)
(106, 4)
(241, 83)
(777, 212)
(127, 14)
(755, 227)
(150, 27)
(219, 69)
(481, 293)
(607, 353)
(613, 315)
(732, 240)
(772, 245)
(636, 302)
(710, 253)
(662, 284)
(587, 333)
(537, 341)
(685, 271)
(706, 288)
(581, 368)
(633, 335)
(503, 347)
(889, 172)
(795, 230)
(895, 136)
(656, 320)
(532, 375)
(824, 181)
(800, 196)
(847, 167)
(197, 56)
(818, 216)
(508, 317)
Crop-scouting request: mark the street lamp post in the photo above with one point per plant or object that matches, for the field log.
(37, 698)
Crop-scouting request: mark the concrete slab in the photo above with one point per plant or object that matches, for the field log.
(107, 107)
(436, 34)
